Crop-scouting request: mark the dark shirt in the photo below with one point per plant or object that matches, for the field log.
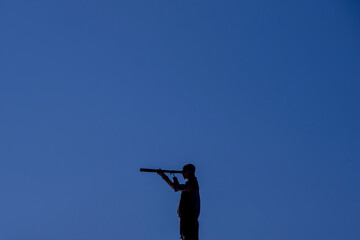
(189, 205)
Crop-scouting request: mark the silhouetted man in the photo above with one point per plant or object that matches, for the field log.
(189, 205)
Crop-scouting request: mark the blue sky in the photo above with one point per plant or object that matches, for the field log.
(262, 96)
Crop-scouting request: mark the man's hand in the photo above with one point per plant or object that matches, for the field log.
(160, 173)
(166, 178)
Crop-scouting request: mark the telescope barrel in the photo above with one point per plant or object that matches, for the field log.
(155, 170)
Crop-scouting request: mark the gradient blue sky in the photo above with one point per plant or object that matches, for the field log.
(262, 96)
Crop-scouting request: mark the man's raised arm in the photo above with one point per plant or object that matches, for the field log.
(167, 179)
(175, 184)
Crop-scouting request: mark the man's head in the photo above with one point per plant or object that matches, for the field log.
(188, 171)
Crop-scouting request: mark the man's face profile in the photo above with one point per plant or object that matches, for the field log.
(186, 173)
